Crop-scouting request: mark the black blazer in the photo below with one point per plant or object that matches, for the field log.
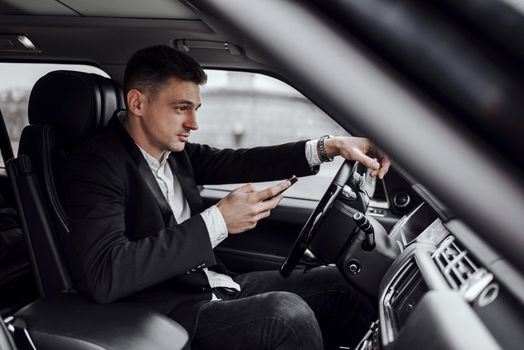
(122, 228)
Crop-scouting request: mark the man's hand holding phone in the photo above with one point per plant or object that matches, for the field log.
(245, 206)
(292, 180)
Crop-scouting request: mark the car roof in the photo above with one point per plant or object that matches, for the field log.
(107, 33)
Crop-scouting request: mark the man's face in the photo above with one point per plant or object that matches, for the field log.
(170, 115)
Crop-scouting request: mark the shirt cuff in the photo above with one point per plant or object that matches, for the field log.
(312, 154)
(216, 226)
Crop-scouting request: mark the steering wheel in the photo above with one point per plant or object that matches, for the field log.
(346, 172)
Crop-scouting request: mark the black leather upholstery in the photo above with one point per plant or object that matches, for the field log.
(50, 271)
(75, 103)
(64, 108)
(70, 322)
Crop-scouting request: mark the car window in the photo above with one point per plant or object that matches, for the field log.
(15, 88)
(242, 109)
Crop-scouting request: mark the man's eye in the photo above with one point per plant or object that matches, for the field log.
(181, 108)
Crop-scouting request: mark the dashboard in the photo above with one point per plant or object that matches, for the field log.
(446, 289)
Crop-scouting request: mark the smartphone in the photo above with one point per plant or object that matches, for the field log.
(293, 179)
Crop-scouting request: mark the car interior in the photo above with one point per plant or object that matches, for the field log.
(436, 245)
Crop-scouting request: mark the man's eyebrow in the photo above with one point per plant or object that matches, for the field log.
(184, 102)
(181, 102)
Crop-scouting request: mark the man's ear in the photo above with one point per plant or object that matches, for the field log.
(135, 102)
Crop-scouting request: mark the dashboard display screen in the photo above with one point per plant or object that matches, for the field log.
(408, 229)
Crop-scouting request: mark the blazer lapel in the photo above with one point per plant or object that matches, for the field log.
(144, 170)
(181, 167)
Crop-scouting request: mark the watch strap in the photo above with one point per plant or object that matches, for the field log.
(321, 149)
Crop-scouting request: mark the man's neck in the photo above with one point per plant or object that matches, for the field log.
(141, 140)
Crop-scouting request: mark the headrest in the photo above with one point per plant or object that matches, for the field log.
(76, 103)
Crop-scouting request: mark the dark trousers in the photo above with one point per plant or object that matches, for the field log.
(312, 310)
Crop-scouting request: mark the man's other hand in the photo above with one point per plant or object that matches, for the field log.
(245, 206)
(359, 149)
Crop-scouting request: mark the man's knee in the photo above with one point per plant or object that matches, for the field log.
(295, 315)
(289, 307)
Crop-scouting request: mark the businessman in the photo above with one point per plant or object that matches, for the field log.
(142, 234)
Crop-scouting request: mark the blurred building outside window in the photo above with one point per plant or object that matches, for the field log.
(241, 109)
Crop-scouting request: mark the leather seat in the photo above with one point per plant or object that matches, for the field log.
(65, 107)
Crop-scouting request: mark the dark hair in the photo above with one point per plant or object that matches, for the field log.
(151, 67)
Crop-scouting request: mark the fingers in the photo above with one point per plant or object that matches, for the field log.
(269, 204)
(363, 151)
(384, 163)
(263, 215)
(252, 222)
(384, 167)
(247, 188)
(241, 211)
(263, 211)
(369, 162)
(270, 192)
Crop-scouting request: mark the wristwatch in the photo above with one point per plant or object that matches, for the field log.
(321, 149)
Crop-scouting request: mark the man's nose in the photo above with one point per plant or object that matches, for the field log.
(191, 121)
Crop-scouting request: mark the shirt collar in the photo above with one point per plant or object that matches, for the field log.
(153, 163)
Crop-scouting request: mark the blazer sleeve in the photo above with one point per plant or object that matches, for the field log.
(115, 266)
(219, 166)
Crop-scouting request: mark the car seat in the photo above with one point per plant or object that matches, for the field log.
(65, 107)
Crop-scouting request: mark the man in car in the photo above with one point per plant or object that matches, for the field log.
(142, 234)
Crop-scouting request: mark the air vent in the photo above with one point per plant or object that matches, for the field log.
(459, 270)
(400, 299)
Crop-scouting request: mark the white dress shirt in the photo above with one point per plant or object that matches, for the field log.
(213, 219)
